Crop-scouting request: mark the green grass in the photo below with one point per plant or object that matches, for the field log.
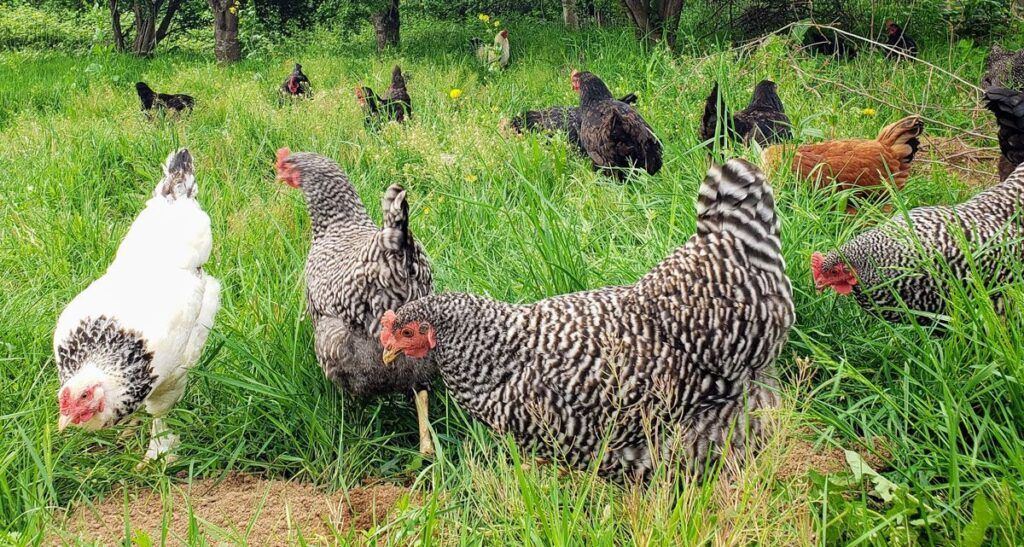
(516, 219)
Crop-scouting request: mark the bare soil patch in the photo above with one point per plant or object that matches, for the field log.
(239, 509)
(976, 166)
(803, 457)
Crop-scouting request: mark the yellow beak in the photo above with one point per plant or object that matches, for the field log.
(63, 422)
(390, 355)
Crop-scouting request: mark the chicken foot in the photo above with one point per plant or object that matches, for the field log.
(162, 443)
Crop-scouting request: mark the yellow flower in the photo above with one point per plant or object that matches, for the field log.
(484, 17)
(455, 93)
(470, 178)
(233, 10)
(426, 210)
(869, 112)
(497, 23)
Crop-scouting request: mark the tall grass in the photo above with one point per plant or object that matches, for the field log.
(518, 219)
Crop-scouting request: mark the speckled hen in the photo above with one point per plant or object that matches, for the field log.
(889, 268)
(354, 272)
(673, 366)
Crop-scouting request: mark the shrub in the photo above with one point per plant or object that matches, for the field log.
(28, 27)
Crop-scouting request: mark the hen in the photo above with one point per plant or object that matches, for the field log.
(855, 163)
(296, 84)
(1004, 68)
(612, 132)
(887, 267)
(129, 339)
(828, 43)
(354, 272)
(563, 119)
(763, 121)
(396, 104)
(900, 42)
(1008, 107)
(674, 364)
(162, 101)
(496, 55)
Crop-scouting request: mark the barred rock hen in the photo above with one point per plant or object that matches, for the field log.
(828, 42)
(855, 163)
(899, 40)
(296, 84)
(1004, 68)
(1008, 106)
(612, 132)
(763, 121)
(886, 266)
(565, 119)
(354, 272)
(152, 100)
(395, 104)
(683, 356)
(129, 339)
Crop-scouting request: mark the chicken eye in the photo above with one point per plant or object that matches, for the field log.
(84, 396)
(407, 332)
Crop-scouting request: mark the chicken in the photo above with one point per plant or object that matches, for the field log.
(1008, 107)
(162, 101)
(495, 56)
(612, 132)
(763, 121)
(890, 266)
(855, 163)
(129, 339)
(675, 364)
(354, 272)
(899, 40)
(828, 43)
(296, 85)
(564, 119)
(394, 105)
(1004, 68)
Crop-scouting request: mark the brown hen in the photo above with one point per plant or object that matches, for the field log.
(854, 163)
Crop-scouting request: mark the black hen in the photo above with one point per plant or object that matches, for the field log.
(899, 40)
(828, 43)
(394, 105)
(1008, 106)
(152, 100)
(612, 132)
(763, 121)
(565, 119)
(296, 84)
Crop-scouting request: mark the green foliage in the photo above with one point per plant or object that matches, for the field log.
(23, 26)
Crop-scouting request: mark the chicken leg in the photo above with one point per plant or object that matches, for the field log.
(426, 443)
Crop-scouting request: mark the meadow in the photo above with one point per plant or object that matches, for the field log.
(519, 219)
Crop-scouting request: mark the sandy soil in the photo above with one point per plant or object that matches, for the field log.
(239, 509)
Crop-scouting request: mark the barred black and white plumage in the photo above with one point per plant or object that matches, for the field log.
(1008, 107)
(354, 272)
(564, 119)
(672, 365)
(891, 265)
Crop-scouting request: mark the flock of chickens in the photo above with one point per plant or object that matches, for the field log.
(671, 368)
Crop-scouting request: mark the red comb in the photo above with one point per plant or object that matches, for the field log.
(387, 323)
(286, 172)
(816, 261)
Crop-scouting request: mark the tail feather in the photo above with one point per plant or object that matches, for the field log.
(395, 232)
(179, 177)
(737, 199)
(902, 137)
(714, 110)
(629, 99)
(1008, 107)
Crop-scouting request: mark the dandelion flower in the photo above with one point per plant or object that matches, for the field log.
(455, 93)
(869, 112)
(471, 178)
(233, 10)
(497, 23)
(426, 210)
(484, 17)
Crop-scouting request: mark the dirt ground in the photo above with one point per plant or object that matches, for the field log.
(803, 456)
(976, 166)
(239, 509)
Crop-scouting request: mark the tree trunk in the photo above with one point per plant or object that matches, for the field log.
(115, 26)
(670, 12)
(570, 14)
(225, 31)
(655, 22)
(147, 34)
(638, 14)
(386, 24)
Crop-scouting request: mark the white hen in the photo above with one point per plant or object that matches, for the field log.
(131, 336)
